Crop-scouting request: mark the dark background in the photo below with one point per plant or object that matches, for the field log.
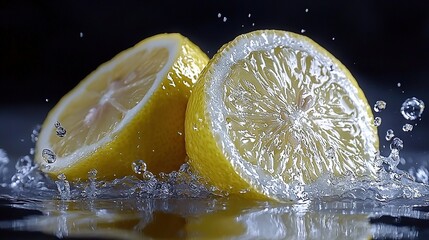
(43, 56)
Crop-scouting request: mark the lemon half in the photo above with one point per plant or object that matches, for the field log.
(272, 109)
(131, 108)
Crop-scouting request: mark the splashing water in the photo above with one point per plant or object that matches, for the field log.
(63, 187)
(391, 182)
(412, 108)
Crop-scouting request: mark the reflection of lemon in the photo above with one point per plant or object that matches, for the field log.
(273, 108)
(278, 223)
(130, 108)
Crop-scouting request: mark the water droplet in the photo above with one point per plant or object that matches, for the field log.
(379, 105)
(180, 133)
(330, 153)
(92, 174)
(407, 127)
(184, 168)
(242, 25)
(219, 15)
(61, 132)
(399, 84)
(377, 121)
(35, 134)
(249, 15)
(46, 100)
(396, 144)
(48, 155)
(412, 108)
(194, 127)
(81, 34)
(253, 24)
(306, 10)
(224, 19)
(389, 134)
(147, 175)
(333, 39)
(139, 166)
(302, 30)
(422, 175)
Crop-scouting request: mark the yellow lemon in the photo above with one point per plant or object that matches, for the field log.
(131, 108)
(272, 109)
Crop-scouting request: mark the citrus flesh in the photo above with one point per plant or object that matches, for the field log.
(272, 109)
(131, 108)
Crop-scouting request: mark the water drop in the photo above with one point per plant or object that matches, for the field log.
(377, 121)
(194, 127)
(184, 168)
(48, 155)
(422, 175)
(412, 108)
(399, 84)
(81, 34)
(330, 153)
(147, 175)
(396, 144)
(407, 127)
(139, 166)
(219, 15)
(333, 39)
(253, 24)
(302, 30)
(61, 131)
(379, 105)
(306, 10)
(224, 19)
(46, 100)
(389, 134)
(249, 15)
(35, 134)
(180, 133)
(63, 187)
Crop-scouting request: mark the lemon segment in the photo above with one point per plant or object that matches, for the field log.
(272, 109)
(131, 108)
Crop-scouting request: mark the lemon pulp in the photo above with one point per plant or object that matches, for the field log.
(131, 108)
(272, 109)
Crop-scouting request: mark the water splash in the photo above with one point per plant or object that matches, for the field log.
(396, 144)
(4, 160)
(63, 187)
(91, 191)
(412, 108)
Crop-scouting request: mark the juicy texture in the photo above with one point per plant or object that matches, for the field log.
(131, 108)
(272, 109)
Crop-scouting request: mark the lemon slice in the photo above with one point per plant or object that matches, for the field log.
(131, 108)
(272, 109)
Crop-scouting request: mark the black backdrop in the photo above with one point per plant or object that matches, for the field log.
(47, 47)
